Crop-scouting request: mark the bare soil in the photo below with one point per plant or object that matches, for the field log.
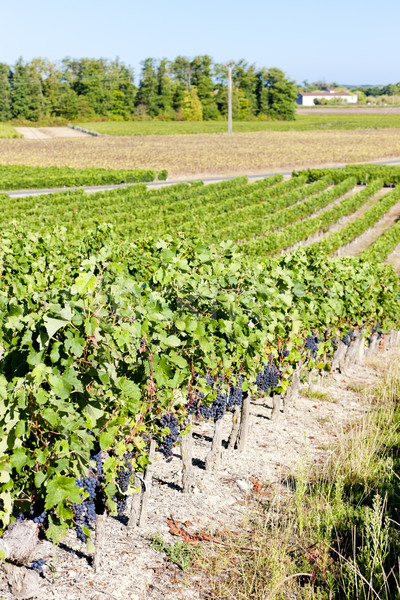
(133, 570)
(48, 133)
(206, 155)
(372, 234)
(350, 110)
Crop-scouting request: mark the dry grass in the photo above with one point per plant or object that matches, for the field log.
(209, 154)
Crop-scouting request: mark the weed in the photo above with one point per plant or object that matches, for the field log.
(180, 553)
(315, 394)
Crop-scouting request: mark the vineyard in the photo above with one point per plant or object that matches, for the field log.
(16, 177)
(128, 315)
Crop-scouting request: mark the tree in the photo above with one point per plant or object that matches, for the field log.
(147, 93)
(276, 95)
(192, 109)
(201, 68)
(19, 93)
(5, 92)
(165, 89)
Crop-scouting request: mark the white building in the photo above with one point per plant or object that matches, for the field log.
(307, 98)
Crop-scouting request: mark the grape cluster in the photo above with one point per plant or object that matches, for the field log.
(235, 397)
(37, 565)
(85, 513)
(312, 343)
(286, 353)
(268, 378)
(165, 445)
(123, 480)
(347, 339)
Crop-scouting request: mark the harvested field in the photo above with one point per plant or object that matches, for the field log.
(204, 154)
(349, 110)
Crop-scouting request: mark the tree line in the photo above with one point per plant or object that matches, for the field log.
(182, 89)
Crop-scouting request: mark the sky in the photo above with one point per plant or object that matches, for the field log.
(346, 41)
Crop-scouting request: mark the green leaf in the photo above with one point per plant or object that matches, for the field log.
(172, 341)
(106, 439)
(53, 325)
(40, 476)
(19, 459)
(61, 488)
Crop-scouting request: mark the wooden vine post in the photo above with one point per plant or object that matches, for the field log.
(136, 500)
(186, 443)
(148, 476)
(244, 423)
(276, 407)
(100, 539)
(235, 429)
(214, 457)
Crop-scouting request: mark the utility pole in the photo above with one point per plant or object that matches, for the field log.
(229, 99)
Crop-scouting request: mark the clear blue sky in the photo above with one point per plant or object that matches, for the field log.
(352, 41)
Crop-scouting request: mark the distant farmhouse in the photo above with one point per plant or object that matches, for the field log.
(312, 98)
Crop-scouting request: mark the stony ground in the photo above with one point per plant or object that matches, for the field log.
(205, 155)
(133, 570)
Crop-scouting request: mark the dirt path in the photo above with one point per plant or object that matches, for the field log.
(372, 234)
(133, 570)
(344, 220)
(394, 259)
(48, 133)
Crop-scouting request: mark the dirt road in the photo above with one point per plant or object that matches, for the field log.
(47, 133)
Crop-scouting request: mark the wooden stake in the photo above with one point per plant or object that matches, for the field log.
(244, 423)
(147, 486)
(276, 407)
(136, 500)
(235, 429)
(186, 443)
(99, 541)
(213, 458)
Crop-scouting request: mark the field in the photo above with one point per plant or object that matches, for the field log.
(303, 122)
(134, 320)
(208, 154)
(7, 131)
(27, 177)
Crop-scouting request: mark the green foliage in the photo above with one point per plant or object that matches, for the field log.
(192, 109)
(180, 553)
(15, 177)
(5, 93)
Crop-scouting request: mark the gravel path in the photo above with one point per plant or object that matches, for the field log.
(344, 220)
(372, 234)
(134, 571)
(48, 133)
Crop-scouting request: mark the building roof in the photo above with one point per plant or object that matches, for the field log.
(325, 94)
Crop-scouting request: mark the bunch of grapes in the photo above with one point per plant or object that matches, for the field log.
(235, 396)
(268, 378)
(123, 480)
(347, 339)
(165, 445)
(37, 565)
(85, 512)
(312, 343)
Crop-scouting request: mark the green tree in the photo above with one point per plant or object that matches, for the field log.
(165, 88)
(276, 95)
(5, 93)
(19, 92)
(201, 78)
(192, 109)
(148, 87)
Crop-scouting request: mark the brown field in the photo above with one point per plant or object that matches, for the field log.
(348, 110)
(209, 154)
